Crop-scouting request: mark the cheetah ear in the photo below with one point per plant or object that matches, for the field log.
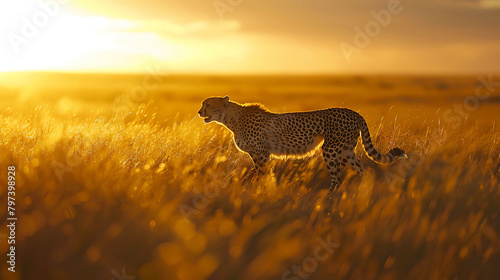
(226, 98)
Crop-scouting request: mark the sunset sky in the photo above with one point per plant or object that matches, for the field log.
(251, 36)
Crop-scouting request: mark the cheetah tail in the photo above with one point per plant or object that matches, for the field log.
(373, 153)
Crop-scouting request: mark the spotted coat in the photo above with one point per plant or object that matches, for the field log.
(261, 133)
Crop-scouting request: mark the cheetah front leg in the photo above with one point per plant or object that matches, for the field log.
(260, 161)
(258, 152)
(260, 168)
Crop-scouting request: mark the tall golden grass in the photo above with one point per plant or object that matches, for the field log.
(163, 197)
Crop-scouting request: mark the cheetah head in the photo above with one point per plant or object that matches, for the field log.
(213, 109)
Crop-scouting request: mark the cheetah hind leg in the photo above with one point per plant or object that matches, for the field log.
(348, 158)
(335, 166)
(337, 179)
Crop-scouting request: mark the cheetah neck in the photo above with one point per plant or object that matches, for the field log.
(232, 116)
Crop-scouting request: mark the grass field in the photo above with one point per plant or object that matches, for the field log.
(117, 177)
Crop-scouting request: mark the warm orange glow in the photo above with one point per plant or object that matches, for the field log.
(77, 35)
(69, 42)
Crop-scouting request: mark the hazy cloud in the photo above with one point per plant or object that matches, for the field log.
(428, 35)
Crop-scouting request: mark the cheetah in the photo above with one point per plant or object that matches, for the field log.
(262, 133)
